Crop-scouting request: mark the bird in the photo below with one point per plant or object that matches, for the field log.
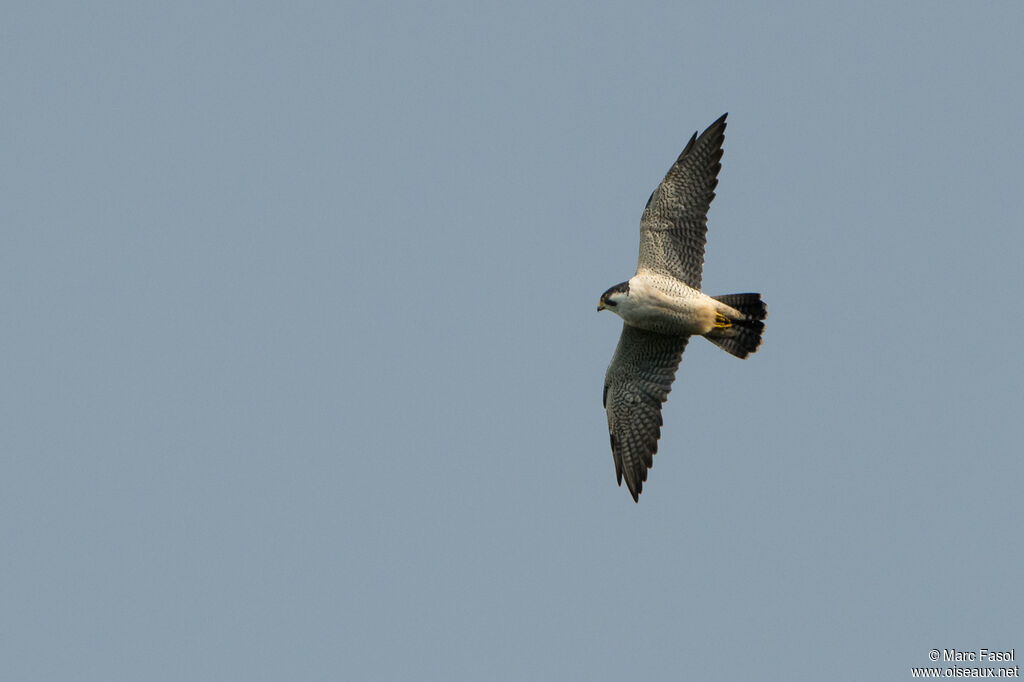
(662, 306)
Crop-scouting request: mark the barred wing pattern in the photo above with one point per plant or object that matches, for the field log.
(637, 382)
(675, 222)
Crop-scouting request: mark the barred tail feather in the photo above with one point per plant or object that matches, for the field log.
(743, 337)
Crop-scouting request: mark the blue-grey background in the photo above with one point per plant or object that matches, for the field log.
(301, 370)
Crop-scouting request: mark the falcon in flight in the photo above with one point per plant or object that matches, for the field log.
(662, 306)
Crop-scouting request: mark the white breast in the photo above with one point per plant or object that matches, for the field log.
(668, 307)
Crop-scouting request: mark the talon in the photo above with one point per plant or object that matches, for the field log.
(721, 321)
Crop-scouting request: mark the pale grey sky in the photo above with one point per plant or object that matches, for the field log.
(302, 372)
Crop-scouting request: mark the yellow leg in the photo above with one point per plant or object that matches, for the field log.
(721, 321)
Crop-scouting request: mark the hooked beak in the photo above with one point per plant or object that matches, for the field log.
(600, 306)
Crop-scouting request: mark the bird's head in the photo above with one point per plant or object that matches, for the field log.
(614, 296)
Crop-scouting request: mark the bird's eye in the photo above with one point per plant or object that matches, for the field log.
(610, 302)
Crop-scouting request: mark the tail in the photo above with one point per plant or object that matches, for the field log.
(740, 336)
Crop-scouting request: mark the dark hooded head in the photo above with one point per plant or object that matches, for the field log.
(611, 298)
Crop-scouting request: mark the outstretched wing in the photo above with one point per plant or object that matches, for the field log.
(637, 382)
(675, 220)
